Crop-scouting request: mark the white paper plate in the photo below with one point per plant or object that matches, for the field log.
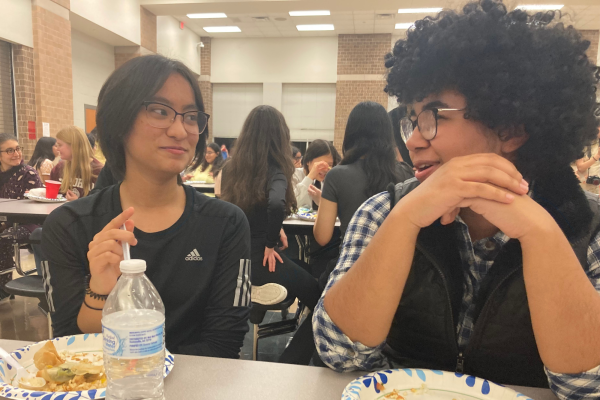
(425, 384)
(39, 194)
(87, 343)
(307, 216)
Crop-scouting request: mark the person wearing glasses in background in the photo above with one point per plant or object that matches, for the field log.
(204, 169)
(16, 179)
(486, 263)
(297, 156)
(197, 248)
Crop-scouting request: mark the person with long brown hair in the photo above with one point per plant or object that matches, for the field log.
(258, 179)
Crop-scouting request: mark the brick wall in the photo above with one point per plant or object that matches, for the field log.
(52, 69)
(593, 37)
(362, 54)
(361, 73)
(148, 29)
(24, 96)
(205, 85)
(205, 56)
(126, 53)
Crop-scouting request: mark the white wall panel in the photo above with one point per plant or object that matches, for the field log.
(232, 102)
(309, 109)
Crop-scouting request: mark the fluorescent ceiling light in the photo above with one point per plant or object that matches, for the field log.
(540, 7)
(217, 29)
(418, 10)
(404, 25)
(208, 15)
(324, 27)
(309, 13)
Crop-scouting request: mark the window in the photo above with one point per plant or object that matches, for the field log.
(7, 103)
(232, 102)
(309, 109)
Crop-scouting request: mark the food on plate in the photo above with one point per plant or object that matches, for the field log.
(66, 371)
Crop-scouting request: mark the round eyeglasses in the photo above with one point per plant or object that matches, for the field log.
(12, 151)
(162, 116)
(427, 121)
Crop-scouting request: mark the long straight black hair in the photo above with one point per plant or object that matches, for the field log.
(369, 135)
(120, 102)
(43, 151)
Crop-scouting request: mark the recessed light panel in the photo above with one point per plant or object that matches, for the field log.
(540, 7)
(221, 29)
(309, 13)
(323, 27)
(207, 15)
(404, 25)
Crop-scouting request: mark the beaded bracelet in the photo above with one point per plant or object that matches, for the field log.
(93, 295)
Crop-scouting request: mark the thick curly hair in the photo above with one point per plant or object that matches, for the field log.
(515, 70)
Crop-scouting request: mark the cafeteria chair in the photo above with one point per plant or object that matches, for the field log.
(28, 285)
(257, 314)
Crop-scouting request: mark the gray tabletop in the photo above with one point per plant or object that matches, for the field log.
(26, 211)
(215, 378)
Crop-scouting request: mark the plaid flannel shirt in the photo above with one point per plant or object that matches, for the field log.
(341, 354)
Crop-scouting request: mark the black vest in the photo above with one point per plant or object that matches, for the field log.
(502, 347)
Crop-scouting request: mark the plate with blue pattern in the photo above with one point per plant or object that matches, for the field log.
(88, 343)
(425, 384)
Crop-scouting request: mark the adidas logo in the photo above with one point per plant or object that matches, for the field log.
(194, 256)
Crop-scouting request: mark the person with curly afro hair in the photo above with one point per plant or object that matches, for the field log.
(486, 263)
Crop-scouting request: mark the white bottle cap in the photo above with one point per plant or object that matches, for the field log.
(132, 266)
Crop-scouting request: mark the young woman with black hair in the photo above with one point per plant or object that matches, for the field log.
(46, 150)
(205, 168)
(320, 157)
(368, 166)
(151, 124)
(488, 262)
(258, 179)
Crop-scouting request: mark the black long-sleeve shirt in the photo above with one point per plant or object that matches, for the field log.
(200, 267)
(266, 219)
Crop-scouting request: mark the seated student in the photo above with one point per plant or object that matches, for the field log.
(487, 263)
(396, 115)
(78, 169)
(258, 179)
(46, 150)
(320, 157)
(589, 166)
(297, 156)
(368, 166)
(204, 168)
(148, 137)
(16, 179)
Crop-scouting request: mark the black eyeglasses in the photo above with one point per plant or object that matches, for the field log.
(11, 151)
(427, 121)
(162, 116)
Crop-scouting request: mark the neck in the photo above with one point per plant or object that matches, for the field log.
(479, 227)
(6, 167)
(147, 191)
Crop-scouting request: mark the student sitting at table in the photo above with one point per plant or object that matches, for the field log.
(297, 156)
(487, 263)
(16, 179)
(78, 169)
(46, 150)
(151, 124)
(368, 166)
(204, 168)
(258, 179)
(320, 157)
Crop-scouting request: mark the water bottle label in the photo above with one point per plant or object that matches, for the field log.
(124, 343)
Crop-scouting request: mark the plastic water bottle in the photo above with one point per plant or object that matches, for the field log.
(133, 328)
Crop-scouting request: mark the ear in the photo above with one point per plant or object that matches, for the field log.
(517, 138)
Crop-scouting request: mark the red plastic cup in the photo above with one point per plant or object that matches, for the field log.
(52, 188)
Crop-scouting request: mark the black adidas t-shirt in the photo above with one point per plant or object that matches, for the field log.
(200, 266)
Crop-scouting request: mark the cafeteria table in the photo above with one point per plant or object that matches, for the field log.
(17, 212)
(203, 187)
(217, 378)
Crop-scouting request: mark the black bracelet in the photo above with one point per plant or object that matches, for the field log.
(90, 307)
(93, 295)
